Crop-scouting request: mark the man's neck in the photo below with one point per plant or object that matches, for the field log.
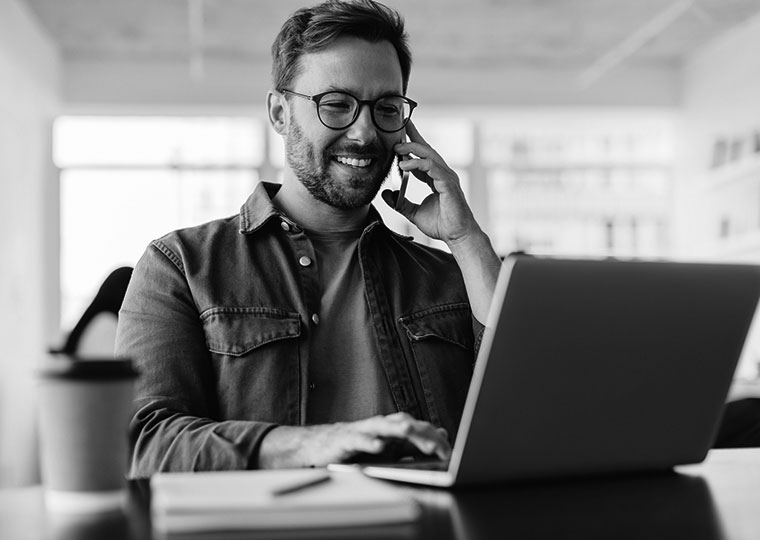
(295, 201)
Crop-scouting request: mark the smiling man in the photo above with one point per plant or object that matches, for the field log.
(303, 331)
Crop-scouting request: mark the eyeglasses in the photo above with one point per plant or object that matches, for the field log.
(338, 110)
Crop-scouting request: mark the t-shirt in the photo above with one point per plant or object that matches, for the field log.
(346, 380)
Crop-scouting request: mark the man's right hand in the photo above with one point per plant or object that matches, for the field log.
(320, 445)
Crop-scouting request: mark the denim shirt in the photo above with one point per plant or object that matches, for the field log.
(217, 318)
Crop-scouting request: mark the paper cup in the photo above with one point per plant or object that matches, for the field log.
(85, 406)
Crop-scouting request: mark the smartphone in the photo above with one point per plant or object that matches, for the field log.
(404, 180)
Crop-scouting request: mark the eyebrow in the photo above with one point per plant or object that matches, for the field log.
(333, 88)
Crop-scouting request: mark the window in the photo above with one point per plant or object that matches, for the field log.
(128, 180)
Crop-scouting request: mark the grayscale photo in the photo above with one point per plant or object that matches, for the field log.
(422, 269)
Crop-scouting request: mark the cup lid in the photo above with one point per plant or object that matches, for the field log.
(62, 366)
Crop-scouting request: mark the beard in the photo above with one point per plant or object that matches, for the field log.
(311, 168)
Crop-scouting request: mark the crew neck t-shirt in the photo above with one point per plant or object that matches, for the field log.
(346, 380)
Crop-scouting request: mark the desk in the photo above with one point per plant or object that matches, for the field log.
(716, 500)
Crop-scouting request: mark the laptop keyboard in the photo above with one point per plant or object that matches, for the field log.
(420, 464)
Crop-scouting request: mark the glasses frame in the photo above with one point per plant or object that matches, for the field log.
(316, 98)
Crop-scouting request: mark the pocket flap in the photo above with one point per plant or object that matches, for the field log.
(451, 322)
(236, 331)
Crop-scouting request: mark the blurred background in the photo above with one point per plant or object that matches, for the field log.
(578, 127)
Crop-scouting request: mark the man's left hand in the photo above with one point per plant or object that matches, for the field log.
(444, 214)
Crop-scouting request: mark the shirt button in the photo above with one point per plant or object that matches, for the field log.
(312, 386)
(285, 226)
(315, 318)
(304, 261)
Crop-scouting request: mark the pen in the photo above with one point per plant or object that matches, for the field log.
(300, 484)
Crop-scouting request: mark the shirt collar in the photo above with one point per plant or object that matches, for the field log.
(258, 210)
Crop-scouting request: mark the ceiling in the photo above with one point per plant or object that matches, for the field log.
(590, 37)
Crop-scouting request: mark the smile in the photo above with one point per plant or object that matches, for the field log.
(353, 162)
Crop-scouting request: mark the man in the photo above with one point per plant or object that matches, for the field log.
(303, 331)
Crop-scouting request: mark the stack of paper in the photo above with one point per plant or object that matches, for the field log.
(280, 499)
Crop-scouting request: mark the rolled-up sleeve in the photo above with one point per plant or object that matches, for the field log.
(175, 424)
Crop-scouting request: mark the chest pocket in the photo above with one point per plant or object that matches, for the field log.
(442, 343)
(255, 359)
(237, 331)
(450, 323)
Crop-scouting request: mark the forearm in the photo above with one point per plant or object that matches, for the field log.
(480, 267)
(164, 438)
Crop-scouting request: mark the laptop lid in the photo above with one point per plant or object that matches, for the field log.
(598, 366)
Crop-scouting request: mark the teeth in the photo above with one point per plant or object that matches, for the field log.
(352, 162)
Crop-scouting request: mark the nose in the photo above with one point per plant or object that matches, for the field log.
(363, 129)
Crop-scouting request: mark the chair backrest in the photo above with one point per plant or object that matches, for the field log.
(95, 332)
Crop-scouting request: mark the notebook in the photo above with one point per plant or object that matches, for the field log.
(281, 500)
(595, 367)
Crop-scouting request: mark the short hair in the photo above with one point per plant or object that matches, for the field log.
(313, 29)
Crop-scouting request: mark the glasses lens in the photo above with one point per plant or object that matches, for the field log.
(392, 113)
(337, 110)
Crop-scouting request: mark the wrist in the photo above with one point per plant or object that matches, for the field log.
(279, 447)
(476, 241)
(480, 266)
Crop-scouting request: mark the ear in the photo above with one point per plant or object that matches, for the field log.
(278, 112)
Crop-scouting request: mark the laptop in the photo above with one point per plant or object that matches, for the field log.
(592, 367)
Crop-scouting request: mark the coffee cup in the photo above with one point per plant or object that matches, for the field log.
(84, 411)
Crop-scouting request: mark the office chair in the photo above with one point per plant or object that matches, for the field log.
(95, 332)
(740, 426)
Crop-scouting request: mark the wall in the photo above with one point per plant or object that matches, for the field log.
(721, 85)
(29, 90)
(717, 214)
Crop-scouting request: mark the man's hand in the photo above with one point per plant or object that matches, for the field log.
(444, 214)
(318, 446)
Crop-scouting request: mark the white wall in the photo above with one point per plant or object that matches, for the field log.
(721, 98)
(29, 90)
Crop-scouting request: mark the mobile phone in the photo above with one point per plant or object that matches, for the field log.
(404, 181)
